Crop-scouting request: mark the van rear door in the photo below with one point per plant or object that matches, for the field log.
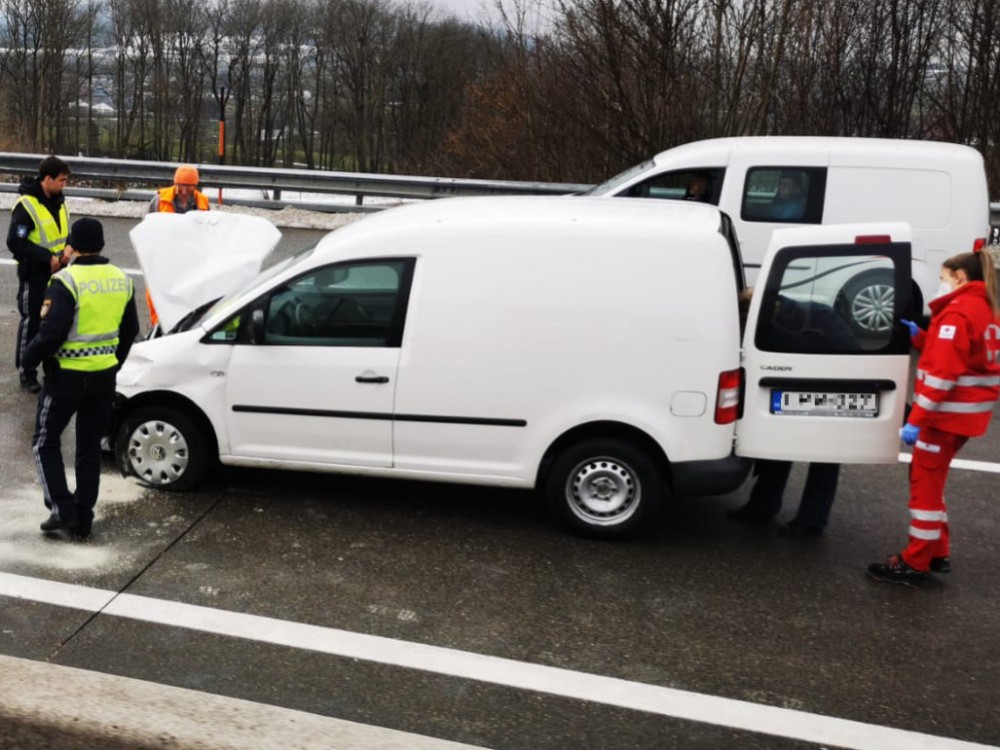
(818, 386)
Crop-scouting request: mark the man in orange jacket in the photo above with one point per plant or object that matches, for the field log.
(181, 197)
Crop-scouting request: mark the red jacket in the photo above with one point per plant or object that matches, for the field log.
(958, 374)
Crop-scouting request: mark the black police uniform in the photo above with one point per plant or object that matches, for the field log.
(33, 268)
(89, 395)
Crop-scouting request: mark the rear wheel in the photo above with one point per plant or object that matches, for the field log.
(605, 488)
(164, 447)
(869, 301)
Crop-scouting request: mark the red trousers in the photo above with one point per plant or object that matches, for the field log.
(929, 533)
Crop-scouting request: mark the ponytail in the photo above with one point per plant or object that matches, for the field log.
(979, 266)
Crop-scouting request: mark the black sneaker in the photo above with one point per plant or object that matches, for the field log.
(940, 565)
(58, 527)
(746, 514)
(894, 570)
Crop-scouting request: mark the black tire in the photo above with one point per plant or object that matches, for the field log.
(868, 303)
(164, 447)
(604, 488)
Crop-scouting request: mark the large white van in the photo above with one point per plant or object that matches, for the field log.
(769, 182)
(589, 348)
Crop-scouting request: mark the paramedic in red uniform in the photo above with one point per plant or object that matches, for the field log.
(958, 381)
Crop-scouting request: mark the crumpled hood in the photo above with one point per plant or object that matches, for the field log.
(190, 259)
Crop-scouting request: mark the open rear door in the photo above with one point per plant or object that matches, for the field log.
(824, 382)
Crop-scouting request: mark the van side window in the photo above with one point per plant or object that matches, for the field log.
(701, 185)
(791, 195)
(807, 305)
(356, 304)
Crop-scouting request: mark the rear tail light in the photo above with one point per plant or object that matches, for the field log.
(872, 239)
(978, 244)
(727, 405)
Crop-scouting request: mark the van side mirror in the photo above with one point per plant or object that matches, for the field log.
(257, 326)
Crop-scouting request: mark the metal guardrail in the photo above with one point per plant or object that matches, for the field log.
(128, 172)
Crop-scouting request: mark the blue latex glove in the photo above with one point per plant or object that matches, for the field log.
(908, 433)
(914, 328)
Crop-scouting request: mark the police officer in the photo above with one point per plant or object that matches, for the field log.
(88, 324)
(39, 222)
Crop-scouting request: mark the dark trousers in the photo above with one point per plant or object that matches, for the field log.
(30, 295)
(817, 495)
(89, 396)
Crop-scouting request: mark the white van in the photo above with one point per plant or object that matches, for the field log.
(589, 348)
(769, 182)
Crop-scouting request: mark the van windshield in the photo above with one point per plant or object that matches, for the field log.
(610, 186)
(223, 303)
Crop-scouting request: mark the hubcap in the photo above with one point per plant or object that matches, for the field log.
(603, 491)
(872, 307)
(158, 452)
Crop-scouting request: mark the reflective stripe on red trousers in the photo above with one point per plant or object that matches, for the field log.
(929, 532)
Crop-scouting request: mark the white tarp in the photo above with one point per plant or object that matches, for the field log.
(193, 258)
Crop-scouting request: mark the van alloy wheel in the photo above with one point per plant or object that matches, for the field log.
(872, 307)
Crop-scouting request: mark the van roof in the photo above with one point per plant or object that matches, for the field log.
(502, 215)
(797, 143)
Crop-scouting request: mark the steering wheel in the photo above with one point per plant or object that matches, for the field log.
(302, 315)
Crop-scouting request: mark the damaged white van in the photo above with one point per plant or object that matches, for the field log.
(585, 347)
(767, 183)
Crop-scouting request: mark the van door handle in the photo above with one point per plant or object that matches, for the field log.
(371, 379)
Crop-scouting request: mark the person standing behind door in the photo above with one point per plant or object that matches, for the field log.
(88, 325)
(39, 222)
(957, 385)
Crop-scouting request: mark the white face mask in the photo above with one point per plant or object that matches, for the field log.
(942, 290)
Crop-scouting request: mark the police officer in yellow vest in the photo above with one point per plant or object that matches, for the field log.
(39, 222)
(88, 324)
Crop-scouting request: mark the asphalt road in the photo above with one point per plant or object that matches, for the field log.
(700, 604)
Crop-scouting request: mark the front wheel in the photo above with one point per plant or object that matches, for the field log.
(163, 447)
(604, 488)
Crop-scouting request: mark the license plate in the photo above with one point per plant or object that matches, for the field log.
(814, 404)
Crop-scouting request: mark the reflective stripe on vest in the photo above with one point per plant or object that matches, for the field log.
(955, 407)
(101, 293)
(48, 233)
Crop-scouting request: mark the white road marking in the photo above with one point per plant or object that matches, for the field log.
(681, 704)
(961, 463)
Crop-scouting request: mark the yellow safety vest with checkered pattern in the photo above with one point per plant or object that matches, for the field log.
(48, 232)
(101, 293)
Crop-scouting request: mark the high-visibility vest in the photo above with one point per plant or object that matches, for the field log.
(101, 293)
(167, 201)
(48, 232)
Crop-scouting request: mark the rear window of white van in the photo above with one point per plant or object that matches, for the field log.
(784, 195)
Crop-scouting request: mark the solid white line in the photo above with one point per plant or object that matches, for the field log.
(961, 463)
(681, 704)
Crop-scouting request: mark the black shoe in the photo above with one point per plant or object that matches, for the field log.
(894, 570)
(30, 383)
(750, 516)
(795, 530)
(53, 526)
(940, 565)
